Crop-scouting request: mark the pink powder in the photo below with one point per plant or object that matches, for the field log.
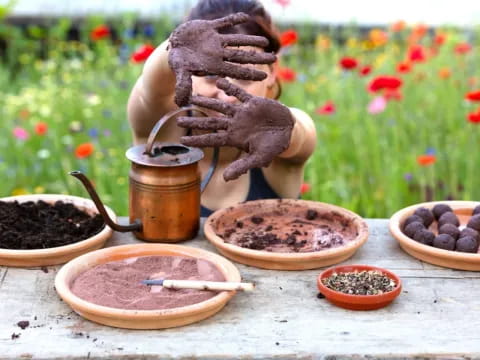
(117, 284)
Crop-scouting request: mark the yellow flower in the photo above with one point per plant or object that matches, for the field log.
(39, 190)
(352, 43)
(19, 191)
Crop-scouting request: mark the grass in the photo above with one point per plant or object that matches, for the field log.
(365, 162)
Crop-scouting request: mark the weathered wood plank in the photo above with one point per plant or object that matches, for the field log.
(434, 318)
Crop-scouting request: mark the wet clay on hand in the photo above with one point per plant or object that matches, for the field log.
(197, 48)
(261, 127)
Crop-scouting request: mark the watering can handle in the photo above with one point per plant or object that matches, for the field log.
(159, 125)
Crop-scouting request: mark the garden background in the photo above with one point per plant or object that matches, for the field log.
(397, 107)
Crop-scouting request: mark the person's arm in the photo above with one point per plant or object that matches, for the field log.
(303, 139)
(152, 97)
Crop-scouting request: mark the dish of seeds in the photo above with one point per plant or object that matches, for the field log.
(370, 282)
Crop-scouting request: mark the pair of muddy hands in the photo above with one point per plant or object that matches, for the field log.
(258, 126)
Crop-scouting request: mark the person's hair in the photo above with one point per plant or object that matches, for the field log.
(260, 23)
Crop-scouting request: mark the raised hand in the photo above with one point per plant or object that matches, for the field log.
(260, 127)
(197, 48)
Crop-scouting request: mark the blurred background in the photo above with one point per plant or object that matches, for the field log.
(393, 88)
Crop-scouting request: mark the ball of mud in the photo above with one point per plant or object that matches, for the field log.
(439, 209)
(474, 222)
(449, 229)
(470, 232)
(467, 244)
(444, 241)
(426, 215)
(448, 218)
(412, 218)
(424, 236)
(412, 228)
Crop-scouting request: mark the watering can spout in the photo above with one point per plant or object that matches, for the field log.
(135, 226)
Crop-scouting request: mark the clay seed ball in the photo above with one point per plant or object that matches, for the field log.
(444, 241)
(474, 222)
(413, 227)
(424, 236)
(411, 219)
(449, 229)
(469, 232)
(448, 218)
(476, 210)
(439, 209)
(426, 215)
(467, 244)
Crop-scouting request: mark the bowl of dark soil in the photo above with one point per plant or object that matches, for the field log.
(105, 286)
(286, 234)
(49, 229)
(359, 287)
(443, 233)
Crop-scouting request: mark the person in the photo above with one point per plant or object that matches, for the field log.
(154, 95)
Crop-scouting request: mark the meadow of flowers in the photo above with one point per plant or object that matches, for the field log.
(397, 109)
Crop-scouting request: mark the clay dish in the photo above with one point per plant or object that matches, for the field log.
(430, 254)
(290, 209)
(60, 254)
(143, 319)
(358, 302)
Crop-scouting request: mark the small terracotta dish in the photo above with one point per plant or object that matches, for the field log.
(143, 319)
(60, 254)
(358, 302)
(285, 214)
(430, 254)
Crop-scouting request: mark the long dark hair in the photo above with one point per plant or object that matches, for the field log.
(260, 23)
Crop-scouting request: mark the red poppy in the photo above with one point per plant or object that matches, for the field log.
(474, 117)
(84, 150)
(384, 82)
(426, 159)
(463, 48)
(365, 70)
(440, 39)
(100, 32)
(473, 96)
(348, 63)
(41, 128)
(404, 67)
(416, 53)
(444, 73)
(288, 37)
(393, 94)
(286, 74)
(142, 53)
(304, 188)
(420, 30)
(327, 109)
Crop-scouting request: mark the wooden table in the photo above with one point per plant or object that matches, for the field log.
(436, 316)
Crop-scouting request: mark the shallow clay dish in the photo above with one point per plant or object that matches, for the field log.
(224, 219)
(60, 254)
(358, 302)
(430, 254)
(143, 319)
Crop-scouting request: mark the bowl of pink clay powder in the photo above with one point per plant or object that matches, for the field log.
(105, 286)
(286, 234)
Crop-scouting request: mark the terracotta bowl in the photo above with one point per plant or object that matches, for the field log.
(60, 254)
(358, 302)
(430, 254)
(143, 319)
(282, 261)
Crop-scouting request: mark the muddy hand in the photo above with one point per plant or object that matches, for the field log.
(260, 127)
(197, 48)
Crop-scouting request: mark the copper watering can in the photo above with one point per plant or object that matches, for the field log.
(164, 189)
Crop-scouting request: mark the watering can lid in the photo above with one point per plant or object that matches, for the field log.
(164, 155)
